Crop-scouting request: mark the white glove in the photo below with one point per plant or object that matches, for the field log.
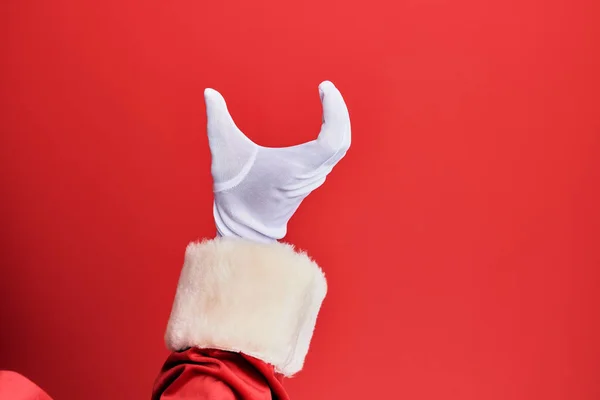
(257, 189)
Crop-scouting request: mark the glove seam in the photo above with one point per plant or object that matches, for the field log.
(236, 180)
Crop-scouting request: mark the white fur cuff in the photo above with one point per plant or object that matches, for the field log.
(258, 299)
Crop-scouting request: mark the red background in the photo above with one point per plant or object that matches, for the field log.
(460, 236)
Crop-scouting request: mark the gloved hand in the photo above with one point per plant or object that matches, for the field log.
(257, 189)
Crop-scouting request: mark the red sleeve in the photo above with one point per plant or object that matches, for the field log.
(14, 386)
(202, 374)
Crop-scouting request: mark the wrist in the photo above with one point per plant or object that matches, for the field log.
(243, 226)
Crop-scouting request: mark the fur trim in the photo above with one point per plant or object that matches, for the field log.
(258, 299)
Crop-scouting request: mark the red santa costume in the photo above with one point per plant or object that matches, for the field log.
(246, 305)
(242, 319)
(14, 386)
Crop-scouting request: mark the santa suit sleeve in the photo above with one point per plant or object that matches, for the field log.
(242, 319)
(14, 386)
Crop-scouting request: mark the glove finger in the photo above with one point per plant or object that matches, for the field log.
(335, 135)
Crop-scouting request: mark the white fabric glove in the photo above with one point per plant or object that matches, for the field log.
(257, 189)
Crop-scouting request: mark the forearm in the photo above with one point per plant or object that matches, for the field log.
(203, 374)
(259, 301)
